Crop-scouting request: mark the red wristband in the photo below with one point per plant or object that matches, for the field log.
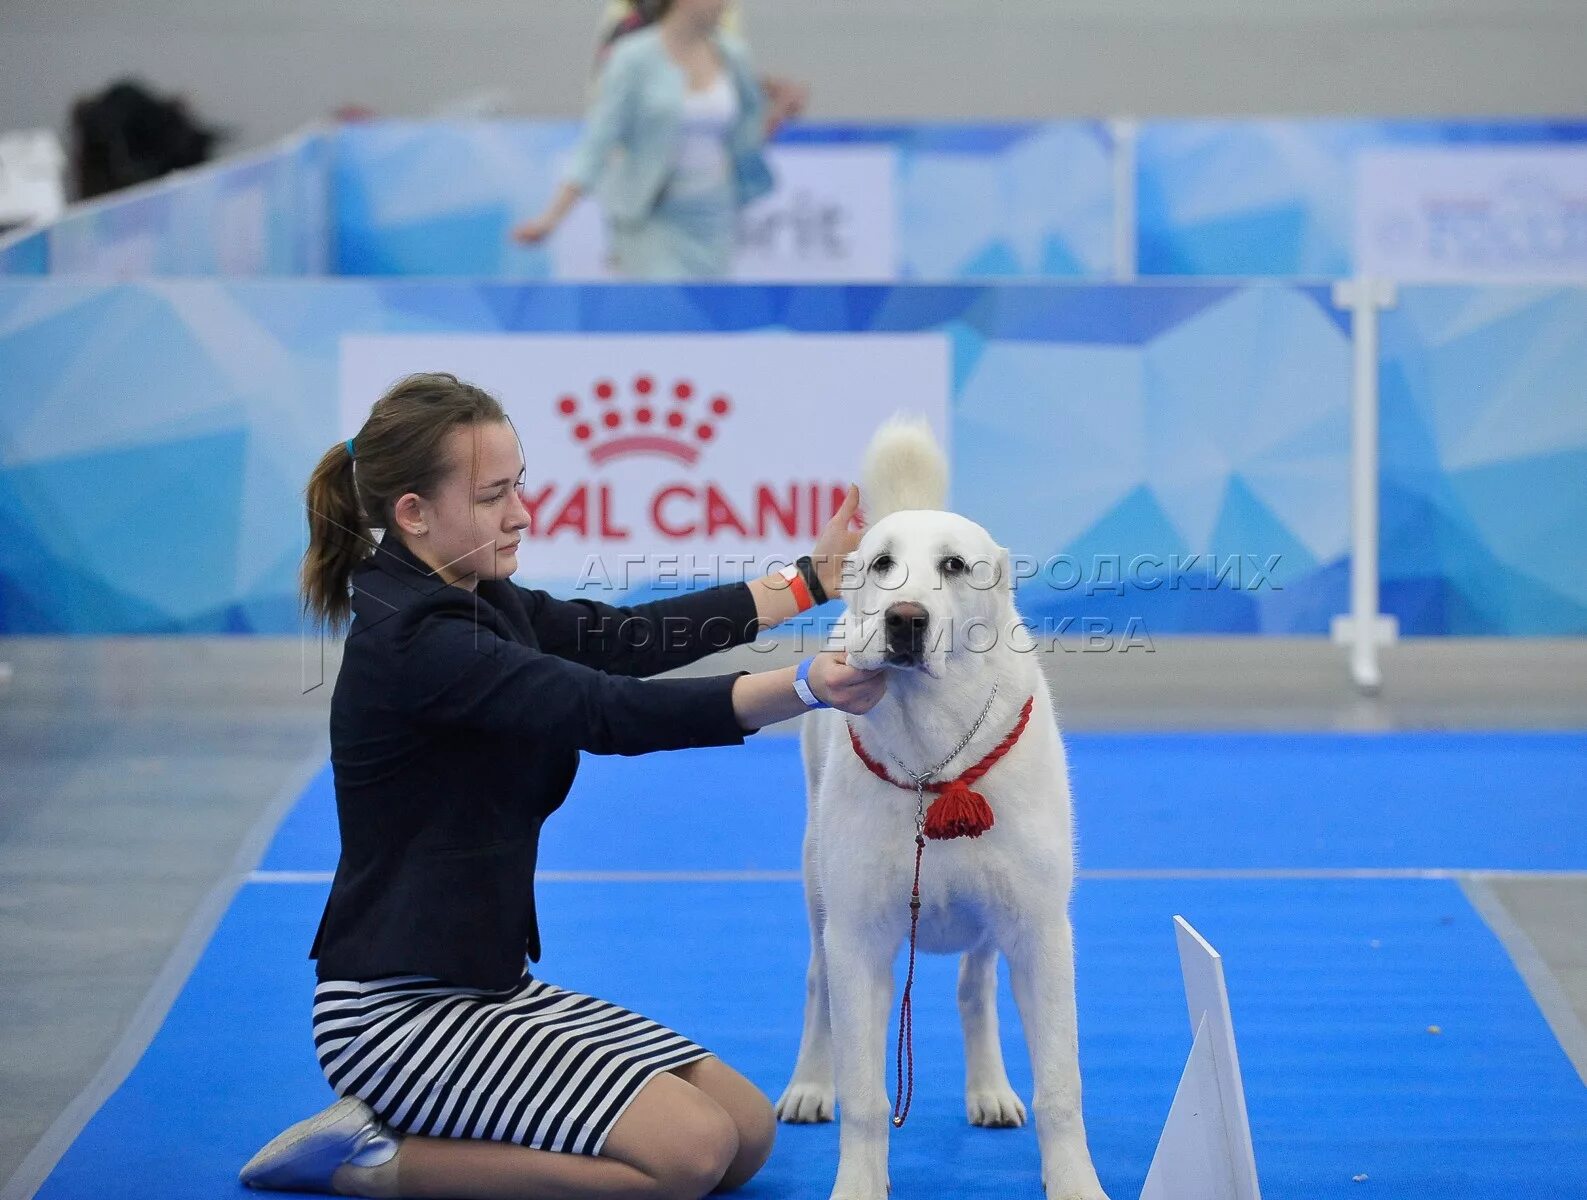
(797, 585)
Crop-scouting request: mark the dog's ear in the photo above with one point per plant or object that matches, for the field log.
(1004, 568)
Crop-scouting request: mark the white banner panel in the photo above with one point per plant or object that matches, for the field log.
(832, 216)
(32, 177)
(1472, 213)
(647, 456)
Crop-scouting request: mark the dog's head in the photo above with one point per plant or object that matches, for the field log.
(923, 588)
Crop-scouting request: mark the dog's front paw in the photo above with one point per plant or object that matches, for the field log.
(806, 1104)
(994, 1108)
(854, 1189)
(1077, 1182)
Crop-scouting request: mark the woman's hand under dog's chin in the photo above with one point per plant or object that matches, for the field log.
(845, 684)
(868, 658)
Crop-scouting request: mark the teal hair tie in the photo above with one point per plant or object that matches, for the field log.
(349, 447)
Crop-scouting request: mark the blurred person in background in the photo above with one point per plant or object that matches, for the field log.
(672, 146)
(785, 98)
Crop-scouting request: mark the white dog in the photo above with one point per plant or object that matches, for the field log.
(928, 595)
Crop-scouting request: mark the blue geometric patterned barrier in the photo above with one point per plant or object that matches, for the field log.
(261, 214)
(1484, 460)
(438, 198)
(1176, 453)
(1223, 198)
(1243, 197)
(971, 201)
(25, 253)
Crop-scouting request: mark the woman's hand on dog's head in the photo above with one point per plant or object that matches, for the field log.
(838, 541)
(846, 687)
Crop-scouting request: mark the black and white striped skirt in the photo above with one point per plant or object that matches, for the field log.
(534, 1064)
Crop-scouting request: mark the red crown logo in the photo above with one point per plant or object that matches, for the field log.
(670, 423)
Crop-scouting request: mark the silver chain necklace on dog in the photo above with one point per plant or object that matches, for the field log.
(926, 777)
(964, 814)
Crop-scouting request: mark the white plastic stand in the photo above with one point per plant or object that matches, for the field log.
(1205, 1152)
(1364, 629)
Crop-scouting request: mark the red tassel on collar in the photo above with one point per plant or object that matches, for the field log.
(957, 811)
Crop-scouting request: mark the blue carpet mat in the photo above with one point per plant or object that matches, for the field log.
(1334, 984)
(1500, 800)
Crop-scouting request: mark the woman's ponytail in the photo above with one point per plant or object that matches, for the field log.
(339, 537)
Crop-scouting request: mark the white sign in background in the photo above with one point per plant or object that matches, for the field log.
(720, 454)
(833, 215)
(32, 177)
(1472, 213)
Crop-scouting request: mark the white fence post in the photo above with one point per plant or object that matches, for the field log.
(1364, 629)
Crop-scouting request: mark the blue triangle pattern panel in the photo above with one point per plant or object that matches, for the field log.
(1174, 456)
(1484, 460)
(964, 201)
(1275, 197)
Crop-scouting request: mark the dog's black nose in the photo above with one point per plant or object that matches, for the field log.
(906, 630)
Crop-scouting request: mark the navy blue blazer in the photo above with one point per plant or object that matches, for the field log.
(456, 725)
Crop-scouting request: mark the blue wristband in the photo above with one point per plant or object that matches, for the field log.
(802, 686)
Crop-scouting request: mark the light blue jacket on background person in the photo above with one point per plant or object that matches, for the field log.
(630, 146)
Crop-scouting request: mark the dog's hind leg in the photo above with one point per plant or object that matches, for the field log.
(988, 1097)
(809, 1096)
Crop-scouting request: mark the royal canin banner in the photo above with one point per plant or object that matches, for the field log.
(707, 458)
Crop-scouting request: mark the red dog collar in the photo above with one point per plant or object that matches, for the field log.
(957, 811)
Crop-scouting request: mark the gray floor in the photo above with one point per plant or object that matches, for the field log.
(132, 773)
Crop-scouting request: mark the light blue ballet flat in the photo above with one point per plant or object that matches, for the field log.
(304, 1157)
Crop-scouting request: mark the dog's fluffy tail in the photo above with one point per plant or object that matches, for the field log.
(904, 468)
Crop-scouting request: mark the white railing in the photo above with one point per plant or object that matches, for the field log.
(1364, 629)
